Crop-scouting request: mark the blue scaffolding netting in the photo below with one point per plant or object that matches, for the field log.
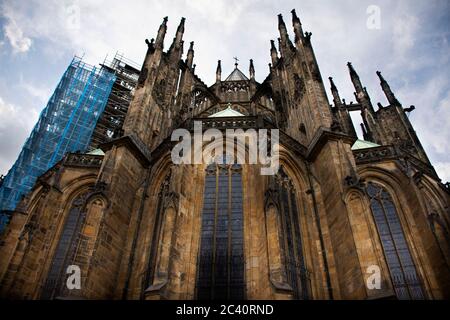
(65, 125)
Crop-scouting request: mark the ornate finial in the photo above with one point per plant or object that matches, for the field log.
(280, 20)
(236, 61)
(295, 18)
(352, 69)
(151, 43)
(218, 71)
(252, 70)
(387, 90)
(308, 36)
(181, 25)
(332, 82)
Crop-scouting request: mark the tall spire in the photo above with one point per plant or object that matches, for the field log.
(387, 90)
(273, 52)
(361, 94)
(282, 27)
(180, 30)
(252, 70)
(297, 27)
(218, 71)
(336, 98)
(190, 55)
(177, 41)
(285, 42)
(159, 43)
(355, 79)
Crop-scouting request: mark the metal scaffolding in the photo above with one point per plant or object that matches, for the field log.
(65, 125)
(109, 125)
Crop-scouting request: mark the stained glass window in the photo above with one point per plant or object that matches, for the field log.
(221, 260)
(291, 240)
(405, 279)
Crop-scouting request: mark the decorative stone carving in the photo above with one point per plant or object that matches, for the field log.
(158, 93)
(336, 126)
(355, 182)
(300, 87)
(142, 77)
(374, 154)
(83, 160)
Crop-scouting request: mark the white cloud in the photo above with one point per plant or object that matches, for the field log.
(444, 170)
(222, 13)
(16, 38)
(403, 35)
(430, 119)
(15, 125)
(39, 92)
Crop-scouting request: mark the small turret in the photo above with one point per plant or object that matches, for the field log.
(361, 94)
(285, 42)
(159, 44)
(252, 70)
(190, 55)
(218, 71)
(177, 45)
(355, 79)
(299, 35)
(336, 98)
(273, 52)
(387, 91)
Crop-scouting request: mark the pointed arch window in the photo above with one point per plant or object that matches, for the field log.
(402, 269)
(296, 273)
(220, 265)
(54, 285)
(163, 197)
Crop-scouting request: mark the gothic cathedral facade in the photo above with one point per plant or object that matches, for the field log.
(338, 211)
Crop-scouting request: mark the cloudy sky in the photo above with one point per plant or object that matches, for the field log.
(407, 40)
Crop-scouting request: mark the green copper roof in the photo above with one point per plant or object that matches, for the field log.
(97, 152)
(361, 144)
(228, 112)
(236, 75)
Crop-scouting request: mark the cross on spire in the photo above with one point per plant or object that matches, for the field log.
(236, 61)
